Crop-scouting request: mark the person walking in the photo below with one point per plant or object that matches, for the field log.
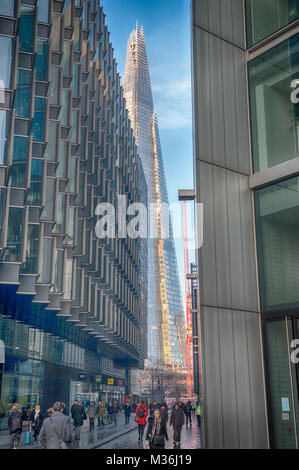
(188, 410)
(78, 415)
(153, 407)
(177, 420)
(164, 413)
(156, 431)
(198, 413)
(140, 419)
(36, 418)
(115, 412)
(91, 413)
(56, 431)
(110, 412)
(15, 422)
(102, 415)
(127, 413)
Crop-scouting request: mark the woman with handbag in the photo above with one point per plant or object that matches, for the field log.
(36, 420)
(156, 431)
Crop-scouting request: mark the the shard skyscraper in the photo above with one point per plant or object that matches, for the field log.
(166, 327)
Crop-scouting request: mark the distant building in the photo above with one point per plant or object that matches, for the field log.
(73, 307)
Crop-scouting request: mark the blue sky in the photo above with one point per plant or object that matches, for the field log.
(167, 34)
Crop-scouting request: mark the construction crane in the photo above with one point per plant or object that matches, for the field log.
(189, 336)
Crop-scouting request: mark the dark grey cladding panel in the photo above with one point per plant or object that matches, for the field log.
(223, 18)
(220, 101)
(17, 197)
(9, 273)
(228, 273)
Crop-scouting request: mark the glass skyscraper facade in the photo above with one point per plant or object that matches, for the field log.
(73, 307)
(166, 325)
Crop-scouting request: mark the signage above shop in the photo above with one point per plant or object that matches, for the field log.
(82, 376)
(120, 383)
(110, 381)
(98, 379)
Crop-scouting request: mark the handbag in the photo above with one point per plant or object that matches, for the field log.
(62, 443)
(159, 440)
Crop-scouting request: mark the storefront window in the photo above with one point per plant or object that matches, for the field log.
(277, 223)
(4, 133)
(31, 249)
(268, 16)
(274, 115)
(22, 100)
(26, 29)
(34, 193)
(6, 56)
(13, 250)
(7, 7)
(41, 59)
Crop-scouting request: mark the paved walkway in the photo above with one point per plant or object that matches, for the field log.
(89, 439)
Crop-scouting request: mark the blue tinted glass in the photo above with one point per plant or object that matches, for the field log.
(26, 29)
(13, 248)
(7, 7)
(6, 57)
(38, 123)
(19, 148)
(17, 171)
(41, 59)
(4, 132)
(34, 193)
(2, 201)
(43, 10)
(22, 95)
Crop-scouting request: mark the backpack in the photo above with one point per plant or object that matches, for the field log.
(141, 412)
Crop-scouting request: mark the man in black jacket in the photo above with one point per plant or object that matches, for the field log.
(188, 411)
(78, 415)
(177, 420)
(15, 426)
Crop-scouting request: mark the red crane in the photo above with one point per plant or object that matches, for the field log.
(189, 337)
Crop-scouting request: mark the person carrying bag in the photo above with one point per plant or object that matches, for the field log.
(56, 430)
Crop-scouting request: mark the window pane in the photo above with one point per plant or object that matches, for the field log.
(68, 280)
(53, 92)
(31, 249)
(41, 59)
(267, 16)
(6, 57)
(48, 211)
(63, 154)
(43, 10)
(57, 286)
(7, 7)
(2, 206)
(22, 101)
(69, 239)
(74, 131)
(59, 226)
(13, 250)
(47, 261)
(274, 117)
(67, 10)
(4, 133)
(75, 80)
(38, 122)
(64, 112)
(76, 35)
(34, 194)
(51, 148)
(17, 171)
(66, 58)
(56, 32)
(26, 29)
(277, 223)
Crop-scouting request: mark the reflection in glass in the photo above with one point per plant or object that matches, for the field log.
(26, 29)
(63, 154)
(17, 171)
(57, 286)
(30, 265)
(34, 193)
(267, 16)
(51, 148)
(56, 32)
(46, 261)
(43, 11)
(66, 58)
(53, 91)
(41, 59)
(6, 57)
(38, 122)
(7, 7)
(22, 100)
(48, 211)
(59, 226)
(277, 224)
(68, 280)
(4, 132)
(274, 118)
(64, 112)
(69, 239)
(13, 249)
(2, 206)
(75, 80)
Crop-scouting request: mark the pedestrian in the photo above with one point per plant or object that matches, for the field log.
(64, 408)
(36, 418)
(127, 413)
(15, 422)
(134, 406)
(78, 415)
(177, 420)
(110, 412)
(153, 407)
(140, 419)
(188, 410)
(56, 430)
(198, 413)
(91, 413)
(156, 431)
(164, 413)
(115, 412)
(102, 415)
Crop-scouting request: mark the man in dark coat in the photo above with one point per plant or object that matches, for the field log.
(78, 415)
(15, 426)
(177, 420)
(188, 411)
(127, 413)
(56, 430)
